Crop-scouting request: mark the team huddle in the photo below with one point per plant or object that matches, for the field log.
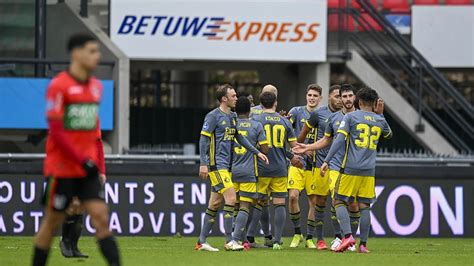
(257, 155)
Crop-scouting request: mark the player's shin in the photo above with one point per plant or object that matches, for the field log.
(228, 219)
(256, 216)
(265, 221)
(335, 224)
(296, 220)
(240, 222)
(364, 224)
(280, 219)
(355, 217)
(209, 220)
(344, 219)
(319, 221)
(109, 248)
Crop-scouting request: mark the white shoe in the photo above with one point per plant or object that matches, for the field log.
(233, 246)
(206, 247)
(335, 243)
(352, 248)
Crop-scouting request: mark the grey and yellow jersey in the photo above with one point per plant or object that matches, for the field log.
(244, 162)
(256, 110)
(334, 121)
(298, 117)
(318, 120)
(220, 128)
(362, 131)
(279, 132)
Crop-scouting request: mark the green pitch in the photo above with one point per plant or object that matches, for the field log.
(180, 251)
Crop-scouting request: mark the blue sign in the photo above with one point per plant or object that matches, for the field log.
(401, 22)
(23, 103)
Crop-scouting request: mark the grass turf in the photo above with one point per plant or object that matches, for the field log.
(180, 251)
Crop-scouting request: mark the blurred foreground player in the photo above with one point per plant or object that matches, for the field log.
(72, 151)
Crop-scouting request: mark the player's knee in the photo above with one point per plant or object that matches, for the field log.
(293, 197)
(321, 201)
(353, 207)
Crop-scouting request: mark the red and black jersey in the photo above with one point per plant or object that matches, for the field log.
(74, 127)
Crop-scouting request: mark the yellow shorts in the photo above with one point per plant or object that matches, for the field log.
(221, 180)
(333, 176)
(247, 191)
(322, 182)
(274, 186)
(350, 188)
(301, 179)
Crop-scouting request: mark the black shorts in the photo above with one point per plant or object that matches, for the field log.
(59, 192)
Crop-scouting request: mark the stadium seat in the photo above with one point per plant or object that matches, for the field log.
(336, 3)
(371, 24)
(396, 6)
(458, 2)
(375, 3)
(426, 2)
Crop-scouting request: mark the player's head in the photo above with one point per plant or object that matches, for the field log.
(347, 93)
(367, 98)
(268, 100)
(248, 95)
(334, 100)
(242, 107)
(313, 95)
(270, 88)
(84, 50)
(226, 94)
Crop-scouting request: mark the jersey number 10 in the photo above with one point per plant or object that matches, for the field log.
(368, 136)
(275, 135)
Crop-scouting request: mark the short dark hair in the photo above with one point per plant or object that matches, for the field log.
(314, 87)
(334, 87)
(242, 106)
(222, 91)
(346, 87)
(79, 40)
(267, 99)
(243, 93)
(368, 95)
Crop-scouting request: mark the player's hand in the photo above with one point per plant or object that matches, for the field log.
(324, 168)
(297, 161)
(102, 179)
(263, 157)
(203, 172)
(91, 169)
(379, 106)
(300, 148)
(285, 114)
(309, 153)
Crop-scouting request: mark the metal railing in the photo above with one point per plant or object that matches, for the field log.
(407, 59)
(464, 161)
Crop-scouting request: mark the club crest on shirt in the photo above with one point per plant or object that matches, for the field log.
(205, 126)
(343, 123)
(95, 92)
(223, 123)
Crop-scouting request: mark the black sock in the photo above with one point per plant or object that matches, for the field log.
(339, 236)
(297, 231)
(348, 235)
(309, 237)
(251, 239)
(40, 256)
(68, 226)
(269, 237)
(362, 243)
(76, 230)
(109, 249)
